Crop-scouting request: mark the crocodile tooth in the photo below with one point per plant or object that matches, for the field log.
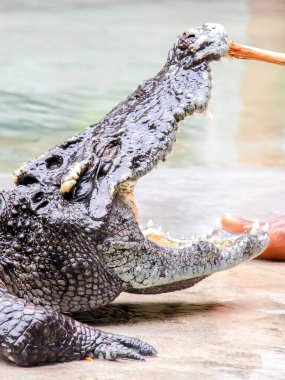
(150, 224)
(265, 228)
(208, 114)
(254, 228)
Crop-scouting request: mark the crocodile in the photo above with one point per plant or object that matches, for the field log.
(70, 239)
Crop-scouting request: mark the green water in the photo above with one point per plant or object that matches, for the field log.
(64, 64)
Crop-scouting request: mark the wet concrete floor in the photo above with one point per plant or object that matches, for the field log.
(229, 326)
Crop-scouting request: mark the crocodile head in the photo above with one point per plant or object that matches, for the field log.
(83, 189)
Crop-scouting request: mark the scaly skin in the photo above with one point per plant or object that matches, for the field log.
(69, 235)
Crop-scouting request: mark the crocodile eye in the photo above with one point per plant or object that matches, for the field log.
(183, 45)
(54, 162)
(110, 150)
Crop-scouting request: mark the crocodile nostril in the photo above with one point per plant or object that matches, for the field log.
(183, 45)
(54, 162)
(26, 180)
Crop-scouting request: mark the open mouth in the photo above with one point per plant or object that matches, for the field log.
(163, 263)
(216, 251)
(220, 238)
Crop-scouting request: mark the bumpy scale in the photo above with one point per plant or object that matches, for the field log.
(69, 234)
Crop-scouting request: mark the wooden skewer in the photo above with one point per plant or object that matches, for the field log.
(248, 52)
